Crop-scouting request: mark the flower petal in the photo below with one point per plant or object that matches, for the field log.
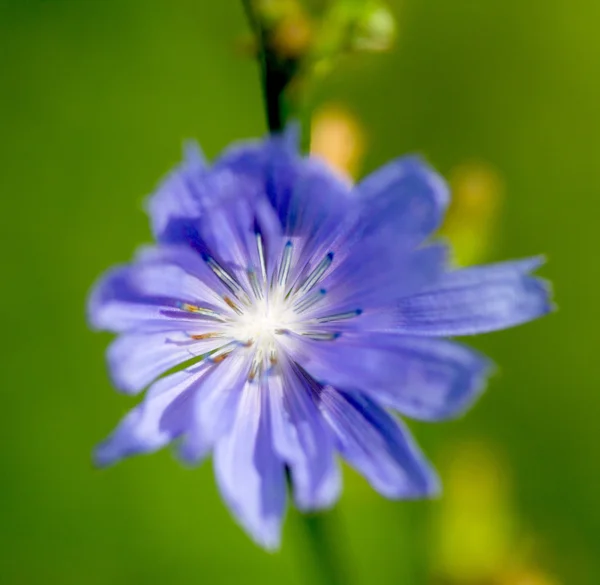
(303, 441)
(477, 300)
(146, 294)
(378, 446)
(405, 197)
(115, 305)
(312, 202)
(171, 282)
(373, 276)
(161, 417)
(229, 228)
(215, 406)
(427, 379)
(249, 473)
(136, 359)
(180, 194)
(271, 165)
(439, 379)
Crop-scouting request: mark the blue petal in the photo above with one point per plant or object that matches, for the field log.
(228, 229)
(302, 441)
(177, 283)
(181, 194)
(373, 275)
(378, 446)
(147, 295)
(164, 415)
(317, 214)
(427, 379)
(405, 197)
(477, 300)
(229, 221)
(439, 379)
(115, 305)
(309, 198)
(215, 406)
(272, 165)
(136, 359)
(249, 473)
(144, 295)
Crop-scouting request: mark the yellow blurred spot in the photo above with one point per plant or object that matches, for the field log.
(337, 137)
(477, 536)
(470, 225)
(292, 37)
(289, 28)
(527, 577)
(475, 527)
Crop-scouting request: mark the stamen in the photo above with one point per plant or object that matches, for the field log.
(254, 283)
(338, 316)
(222, 352)
(317, 273)
(257, 366)
(273, 354)
(321, 336)
(308, 301)
(231, 304)
(226, 278)
(284, 268)
(200, 311)
(261, 256)
(211, 335)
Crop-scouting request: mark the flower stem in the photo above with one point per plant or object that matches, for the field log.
(324, 548)
(276, 72)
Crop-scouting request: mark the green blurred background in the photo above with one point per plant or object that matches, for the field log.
(96, 98)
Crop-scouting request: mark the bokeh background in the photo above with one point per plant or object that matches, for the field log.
(96, 99)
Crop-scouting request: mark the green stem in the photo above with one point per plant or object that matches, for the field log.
(276, 73)
(324, 546)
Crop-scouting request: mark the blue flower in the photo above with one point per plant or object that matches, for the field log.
(284, 312)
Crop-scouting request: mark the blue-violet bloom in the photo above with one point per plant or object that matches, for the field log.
(291, 311)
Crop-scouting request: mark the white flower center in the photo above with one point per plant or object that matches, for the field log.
(262, 321)
(261, 316)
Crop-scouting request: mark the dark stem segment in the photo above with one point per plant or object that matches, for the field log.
(275, 82)
(323, 543)
(325, 548)
(276, 72)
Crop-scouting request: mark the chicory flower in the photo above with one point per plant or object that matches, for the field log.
(282, 314)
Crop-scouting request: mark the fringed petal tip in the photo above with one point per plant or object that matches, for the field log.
(324, 500)
(180, 193)
(193, 156)
(190, 453)
(424, 484)
(264, 530)
(543, 285)
(106, 454)
(123, 443)
(101, 293)
(408, 172)
(467, 388)
(546, 288)
(430, 487)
